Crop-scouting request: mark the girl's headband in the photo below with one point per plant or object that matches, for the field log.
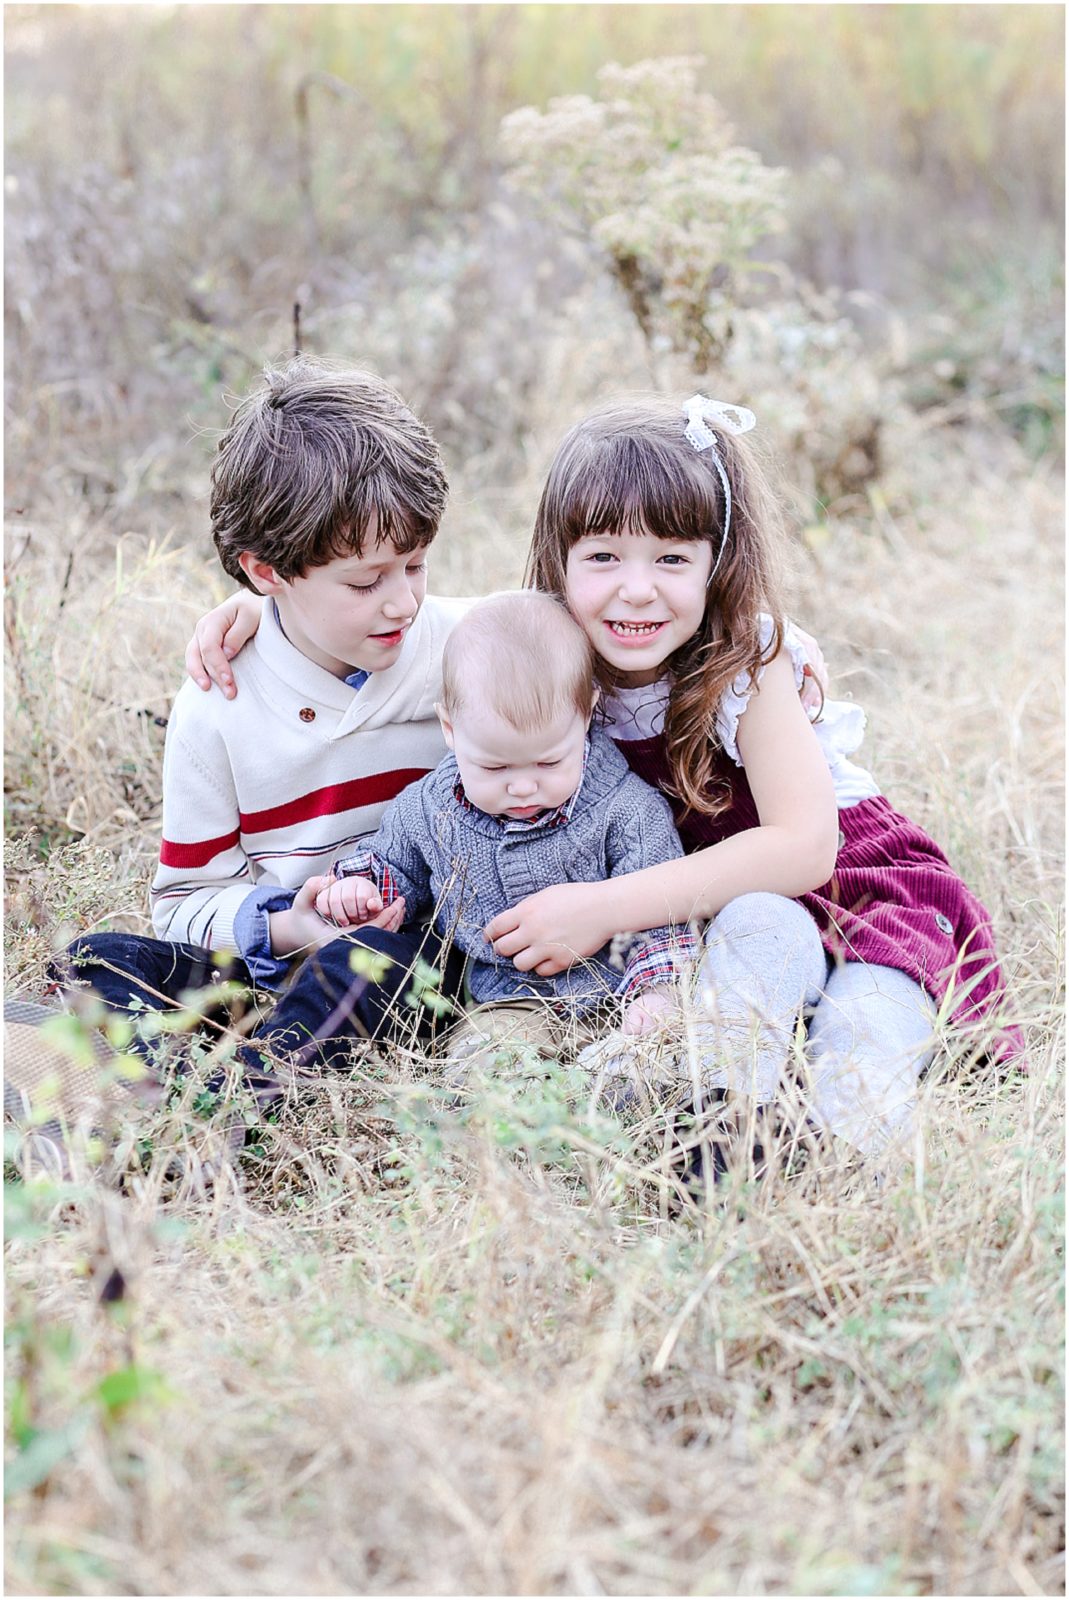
(734, 419)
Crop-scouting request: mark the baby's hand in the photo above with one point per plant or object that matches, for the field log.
(300, 927)
(650, 1010)
(349, 902)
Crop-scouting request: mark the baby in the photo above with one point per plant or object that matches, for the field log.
(529, 796)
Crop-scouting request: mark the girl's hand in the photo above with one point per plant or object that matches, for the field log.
(815, 683)
(218, 637)
(649, 1010)
(548, 931)
(349, 902)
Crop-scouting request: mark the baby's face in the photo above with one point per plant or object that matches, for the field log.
(512, 774)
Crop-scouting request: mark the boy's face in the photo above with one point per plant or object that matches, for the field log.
(511, 774)
(352, 612)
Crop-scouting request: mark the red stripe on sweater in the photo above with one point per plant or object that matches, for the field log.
(197, 853)
(329, 802)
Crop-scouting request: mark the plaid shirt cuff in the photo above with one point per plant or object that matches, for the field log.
(366, 864)
(657, 959)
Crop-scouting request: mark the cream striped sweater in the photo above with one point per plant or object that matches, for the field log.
(269, 788)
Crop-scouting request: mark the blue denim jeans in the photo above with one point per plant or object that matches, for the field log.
(323, 1008)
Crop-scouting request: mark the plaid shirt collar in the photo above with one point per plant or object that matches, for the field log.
(557, 818)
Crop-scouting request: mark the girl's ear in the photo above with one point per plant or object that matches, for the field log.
(447, 726)
(261, 574)
(593, 704)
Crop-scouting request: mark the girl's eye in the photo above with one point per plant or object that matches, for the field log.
(601, 557)
(675, 559)
(364, 588)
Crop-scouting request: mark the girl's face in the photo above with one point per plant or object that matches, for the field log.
(638, 597)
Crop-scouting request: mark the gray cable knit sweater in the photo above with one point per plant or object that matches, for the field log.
(443, 854)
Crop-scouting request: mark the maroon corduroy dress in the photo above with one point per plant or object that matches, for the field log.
(893, 901)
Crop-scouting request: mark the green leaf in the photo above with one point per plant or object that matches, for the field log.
(70, 1035)
(42, 1456)
(170, 1228)
(22, 1429)
(22, 1207)
(370, 964)
(121, 1389)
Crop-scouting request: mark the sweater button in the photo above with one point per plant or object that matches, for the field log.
(306, 714)
(944, 924)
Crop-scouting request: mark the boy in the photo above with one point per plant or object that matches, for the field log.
(326, 494)
(528, 797)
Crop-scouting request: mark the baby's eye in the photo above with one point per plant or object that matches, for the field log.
(550, 763)
(493, 769)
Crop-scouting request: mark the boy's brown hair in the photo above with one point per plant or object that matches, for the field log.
(524, 656)
(315, 461)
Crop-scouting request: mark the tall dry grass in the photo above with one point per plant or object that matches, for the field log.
(487, 1347)
(425, 1349)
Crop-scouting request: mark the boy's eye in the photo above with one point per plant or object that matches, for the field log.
(418, 566)
(364, 588)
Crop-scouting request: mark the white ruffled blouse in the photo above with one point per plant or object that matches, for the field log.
(640, 713)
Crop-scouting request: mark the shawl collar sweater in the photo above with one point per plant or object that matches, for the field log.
(267, 789)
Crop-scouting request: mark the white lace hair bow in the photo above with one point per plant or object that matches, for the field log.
(733, 419)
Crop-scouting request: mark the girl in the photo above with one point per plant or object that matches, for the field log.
(656, 531)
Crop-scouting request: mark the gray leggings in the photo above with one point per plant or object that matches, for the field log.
(870, 1035)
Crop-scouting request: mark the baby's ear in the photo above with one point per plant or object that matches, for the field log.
(447, 726)
(593, 704)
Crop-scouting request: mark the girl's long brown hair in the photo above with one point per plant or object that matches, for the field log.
(629, 466)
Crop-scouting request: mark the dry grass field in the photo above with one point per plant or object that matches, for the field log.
(409, 1346)
(424, 1350)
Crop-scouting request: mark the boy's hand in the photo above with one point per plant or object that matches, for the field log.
(349, 902)
(815, 682)
(651, 1009)
(300, 927)
(218, 637)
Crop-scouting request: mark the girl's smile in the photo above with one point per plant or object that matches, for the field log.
(634, 632)
(638, 597)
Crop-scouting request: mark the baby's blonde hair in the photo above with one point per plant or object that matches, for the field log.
(522, 656)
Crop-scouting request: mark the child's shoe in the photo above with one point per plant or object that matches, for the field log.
(60, 1068)
(632, 1075)
(55, 1062)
